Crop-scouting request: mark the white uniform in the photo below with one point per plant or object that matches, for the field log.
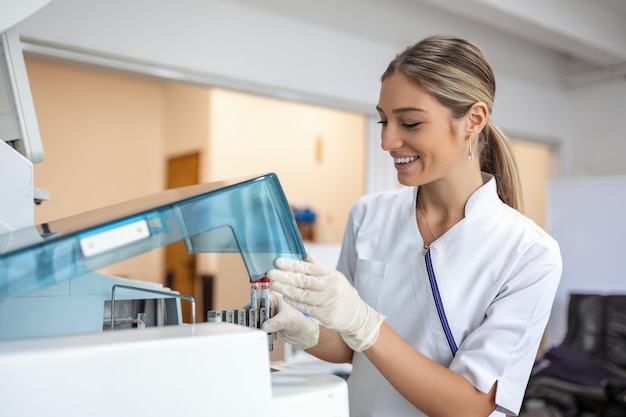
(497, 273)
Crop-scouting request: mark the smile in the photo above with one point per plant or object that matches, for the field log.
(405, 160)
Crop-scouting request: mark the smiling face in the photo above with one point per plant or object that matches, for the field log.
(425, 142)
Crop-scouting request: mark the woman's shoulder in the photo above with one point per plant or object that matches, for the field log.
(498, 219)
(512, 230)
(530, 228)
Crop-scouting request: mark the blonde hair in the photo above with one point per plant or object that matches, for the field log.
(457, 74)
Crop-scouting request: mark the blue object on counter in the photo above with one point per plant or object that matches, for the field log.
(304, 215)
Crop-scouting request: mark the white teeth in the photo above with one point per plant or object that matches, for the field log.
(404, 160)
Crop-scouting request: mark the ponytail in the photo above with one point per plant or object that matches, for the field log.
(497, 159)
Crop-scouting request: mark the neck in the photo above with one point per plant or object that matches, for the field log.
(441, 205)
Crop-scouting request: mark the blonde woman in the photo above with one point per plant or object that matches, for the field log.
(443, 288)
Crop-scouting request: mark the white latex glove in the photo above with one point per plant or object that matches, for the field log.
(328, 296)
(291, 325)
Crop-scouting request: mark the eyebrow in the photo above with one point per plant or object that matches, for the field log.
(403, 110)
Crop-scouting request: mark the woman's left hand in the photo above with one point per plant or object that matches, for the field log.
(328, 296)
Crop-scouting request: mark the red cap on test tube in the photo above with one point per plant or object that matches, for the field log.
(265, 291)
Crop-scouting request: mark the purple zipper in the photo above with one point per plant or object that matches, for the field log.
(439, 303)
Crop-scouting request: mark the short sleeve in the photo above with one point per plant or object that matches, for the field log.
(504, 347)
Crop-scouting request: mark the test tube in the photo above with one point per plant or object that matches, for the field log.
(254, 288)
(265, 298)
(264, 308)
(141, 320)
(229, 316)
(241, 317)
(214, 316)
(252, 317)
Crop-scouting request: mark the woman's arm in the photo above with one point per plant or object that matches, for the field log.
(429, 386)
(331, 347)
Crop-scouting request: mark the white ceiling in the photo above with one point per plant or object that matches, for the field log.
(592, 31)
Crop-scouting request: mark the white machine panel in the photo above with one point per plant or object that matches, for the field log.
(189, 370)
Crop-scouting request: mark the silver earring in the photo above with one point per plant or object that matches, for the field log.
(470, 155)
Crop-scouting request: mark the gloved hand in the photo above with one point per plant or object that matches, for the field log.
(328, 296)
(291, 325)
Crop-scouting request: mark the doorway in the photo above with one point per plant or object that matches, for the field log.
(536, 163)
(180, 266)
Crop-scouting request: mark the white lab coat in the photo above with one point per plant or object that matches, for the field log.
(497, 274)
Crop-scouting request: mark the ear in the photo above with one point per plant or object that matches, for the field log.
(477, 117)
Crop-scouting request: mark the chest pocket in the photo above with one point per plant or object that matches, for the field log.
(368, 279)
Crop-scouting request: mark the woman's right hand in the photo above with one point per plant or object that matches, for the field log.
(291, 325)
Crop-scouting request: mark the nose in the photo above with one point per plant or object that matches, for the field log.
(390, 140)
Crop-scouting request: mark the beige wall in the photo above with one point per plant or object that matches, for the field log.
(534, 165)
(96, 132)
(107, 136)
(186, 119)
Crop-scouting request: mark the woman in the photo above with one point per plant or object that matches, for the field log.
(443, 289)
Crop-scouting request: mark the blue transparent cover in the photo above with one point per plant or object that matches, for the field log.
(250, 216)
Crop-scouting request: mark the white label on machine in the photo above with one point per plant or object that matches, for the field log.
(114, 238)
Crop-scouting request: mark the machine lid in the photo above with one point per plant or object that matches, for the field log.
(249, 215)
